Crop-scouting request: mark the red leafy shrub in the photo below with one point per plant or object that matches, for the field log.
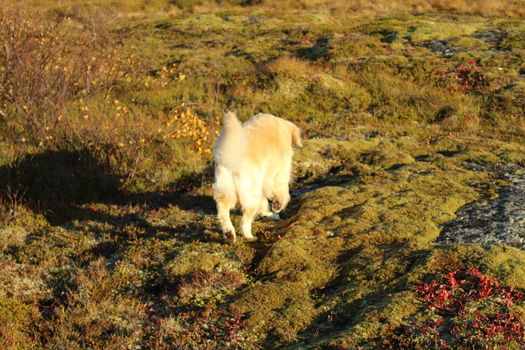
(466, 310)
(466, 77)
(203, 330)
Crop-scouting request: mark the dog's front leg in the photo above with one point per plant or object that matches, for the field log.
(224, 205)
(246, 223)
(249, 189)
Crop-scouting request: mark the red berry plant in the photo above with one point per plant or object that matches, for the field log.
(466, 310)
(191, 330)
(465, 77)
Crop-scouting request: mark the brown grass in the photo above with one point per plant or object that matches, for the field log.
(363, 8)
(45, 63)
(292, 67)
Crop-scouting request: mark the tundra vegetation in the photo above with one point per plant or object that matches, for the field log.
(109, 110)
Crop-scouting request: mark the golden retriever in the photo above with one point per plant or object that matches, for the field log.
(252, 165)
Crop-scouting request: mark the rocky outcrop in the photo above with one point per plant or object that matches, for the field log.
(501, 220)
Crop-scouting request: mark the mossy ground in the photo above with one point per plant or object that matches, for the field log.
(109, 240)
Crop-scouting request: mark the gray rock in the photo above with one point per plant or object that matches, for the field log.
(498, 221)
(493, 36)
(440, 46)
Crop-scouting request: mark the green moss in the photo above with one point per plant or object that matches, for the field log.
(510, 100)
(469, 43)
(16, 322)
(354, 95)
(513, 41)
(283, 304)
(438, 30)
(417, 29)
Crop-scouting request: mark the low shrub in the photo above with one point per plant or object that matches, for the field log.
(465, 310)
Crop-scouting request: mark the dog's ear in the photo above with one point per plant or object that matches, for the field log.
(230, 118)
(296, 136)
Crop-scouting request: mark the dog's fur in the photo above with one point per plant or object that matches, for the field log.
(253, 165)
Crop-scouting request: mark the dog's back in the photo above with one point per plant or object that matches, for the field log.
(268, 139)
(269, 149)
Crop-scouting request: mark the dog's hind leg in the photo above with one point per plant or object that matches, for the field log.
(249, 191)
(225, 198)
(246, 222)
(224, 205)
(281, 190)
(282, 197)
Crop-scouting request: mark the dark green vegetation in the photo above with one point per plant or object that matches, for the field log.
(108, 236)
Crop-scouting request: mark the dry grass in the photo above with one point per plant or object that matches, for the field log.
(46, 62)
(363, 8)
(292, 67)
(359, 8)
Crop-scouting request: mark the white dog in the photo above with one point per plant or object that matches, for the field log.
(252, 165)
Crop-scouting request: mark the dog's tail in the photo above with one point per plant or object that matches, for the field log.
(230, 123)
(231, 144)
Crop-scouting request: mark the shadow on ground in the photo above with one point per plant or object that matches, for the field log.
(57, 183)
(53, 181)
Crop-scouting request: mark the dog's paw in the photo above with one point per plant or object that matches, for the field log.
(229, 237)
(274, 216)
(250, 238)
(270, 215)
(275, 206)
